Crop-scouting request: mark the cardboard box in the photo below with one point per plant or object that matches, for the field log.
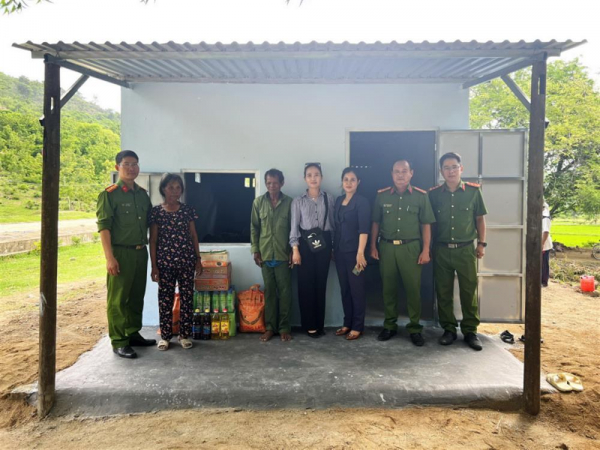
(216, 278)
(214, 263)
(215, 272)
(213, 284)
(215, 255)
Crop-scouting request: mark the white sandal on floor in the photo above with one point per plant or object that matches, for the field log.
(185, 343)
(163, 345)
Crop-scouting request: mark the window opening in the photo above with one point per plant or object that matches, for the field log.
(223, 202)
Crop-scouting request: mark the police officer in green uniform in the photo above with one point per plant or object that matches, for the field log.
(402, 217)
(459, 209)
(122, 223)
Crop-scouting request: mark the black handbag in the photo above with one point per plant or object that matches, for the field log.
(315, 237)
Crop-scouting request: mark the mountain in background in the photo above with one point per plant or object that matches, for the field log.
(26, 96)
(90, 139)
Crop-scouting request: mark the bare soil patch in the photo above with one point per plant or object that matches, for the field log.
(570, 327)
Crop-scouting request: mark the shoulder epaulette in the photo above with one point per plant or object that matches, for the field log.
(384, 189)
(419, 190)
(435, 187)
(475, 185)
(111, 188)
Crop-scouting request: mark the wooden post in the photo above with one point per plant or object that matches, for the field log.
(533, 270)
(49, 250)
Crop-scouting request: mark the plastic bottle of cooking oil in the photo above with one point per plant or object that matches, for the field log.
(215, 324)
(224, 324)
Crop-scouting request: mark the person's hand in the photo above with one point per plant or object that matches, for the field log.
(296, 258)
(361, 262)
(258, 259)
(112, 266)
(154, 274)
(424, 257)
(374, 253)
(198, 266)
(480, 251)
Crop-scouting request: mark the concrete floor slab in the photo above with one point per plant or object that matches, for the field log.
(304, 373)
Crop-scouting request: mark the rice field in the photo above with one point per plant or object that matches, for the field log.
(575, 232)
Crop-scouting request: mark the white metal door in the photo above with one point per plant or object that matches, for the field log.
(496, 160)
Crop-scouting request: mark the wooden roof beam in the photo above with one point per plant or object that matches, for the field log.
(514, 87)
(86, 71)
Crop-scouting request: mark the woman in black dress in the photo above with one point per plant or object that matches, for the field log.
(175, 256)
(352, 214)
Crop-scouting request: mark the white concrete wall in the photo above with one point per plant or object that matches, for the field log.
(255, 127)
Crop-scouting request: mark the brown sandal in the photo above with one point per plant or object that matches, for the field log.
(342, 331)
(353, 335)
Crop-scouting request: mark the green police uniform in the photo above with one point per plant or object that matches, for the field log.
(270, 235)
(455, 231)
(400, 216)
(124, 212)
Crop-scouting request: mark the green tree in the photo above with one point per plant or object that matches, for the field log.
(572, 139)
(11, 6)
(588, 191)
(89, 141)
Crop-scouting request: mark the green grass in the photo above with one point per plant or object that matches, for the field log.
(21, 273)
(575, 232)
(12, 211)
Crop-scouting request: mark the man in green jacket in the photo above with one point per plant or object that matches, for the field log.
(270, 235)
(459, 212)
(122, 223)
(401, 219)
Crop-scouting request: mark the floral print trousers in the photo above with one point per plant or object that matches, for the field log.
(168, 278)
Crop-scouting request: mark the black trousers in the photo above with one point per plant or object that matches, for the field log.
(312, 285)
(545, 267)
(352, 287)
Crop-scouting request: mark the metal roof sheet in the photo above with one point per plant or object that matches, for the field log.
(458, 62)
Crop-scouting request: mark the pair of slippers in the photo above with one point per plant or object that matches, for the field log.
(565, 382)
(163, 345)
(509, 338)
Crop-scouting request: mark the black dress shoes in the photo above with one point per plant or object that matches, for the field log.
(139, 341)
(447, 338)
(386, 335)
(125, 352)
(473, 341)
(417, 339)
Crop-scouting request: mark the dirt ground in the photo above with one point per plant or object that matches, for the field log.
(571, 324)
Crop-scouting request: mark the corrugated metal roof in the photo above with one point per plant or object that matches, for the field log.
(438, 62)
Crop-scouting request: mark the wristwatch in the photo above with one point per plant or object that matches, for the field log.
(483, 244)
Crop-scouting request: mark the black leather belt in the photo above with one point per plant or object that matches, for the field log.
(456, 245)
(398, 241)
(131, 247)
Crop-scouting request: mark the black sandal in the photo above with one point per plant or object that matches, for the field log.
(507, 337)
(522, 339)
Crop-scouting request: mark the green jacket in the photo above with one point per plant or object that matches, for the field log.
(124, 212)
(400, 216)
(270, 227)
(456, 212)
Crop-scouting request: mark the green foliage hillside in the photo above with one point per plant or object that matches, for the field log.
(89, 140)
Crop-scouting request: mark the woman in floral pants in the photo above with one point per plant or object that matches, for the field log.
(175, 256)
